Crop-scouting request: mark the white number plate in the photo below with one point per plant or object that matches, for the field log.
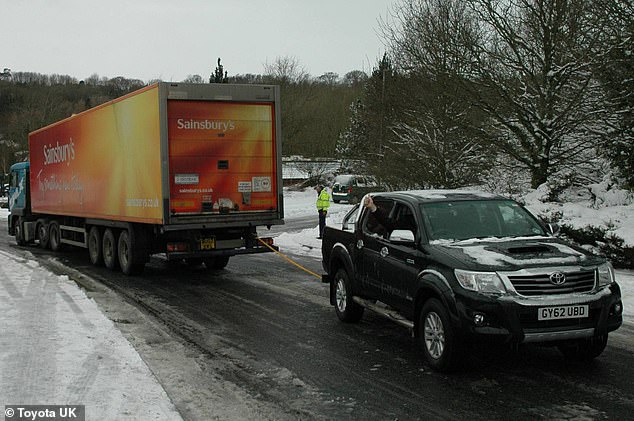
(562, 312)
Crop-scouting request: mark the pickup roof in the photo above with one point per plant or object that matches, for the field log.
(457, 266)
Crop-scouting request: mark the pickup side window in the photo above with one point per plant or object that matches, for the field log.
(378, 223)
(403, 218)
(404, 225)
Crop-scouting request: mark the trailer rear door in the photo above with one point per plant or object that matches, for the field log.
(222, 157)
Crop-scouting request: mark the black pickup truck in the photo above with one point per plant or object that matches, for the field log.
(459, 266)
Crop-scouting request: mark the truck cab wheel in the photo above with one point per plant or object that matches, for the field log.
(54, 236)
(94, 246)
(109, 249)
(345, 307)
(437, 337)
(19, 232)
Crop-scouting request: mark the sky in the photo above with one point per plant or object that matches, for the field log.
(169, 40)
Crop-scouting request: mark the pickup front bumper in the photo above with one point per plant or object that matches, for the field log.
(516, 319)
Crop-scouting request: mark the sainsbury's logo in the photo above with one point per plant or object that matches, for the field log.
(220, 125)
(59, 153)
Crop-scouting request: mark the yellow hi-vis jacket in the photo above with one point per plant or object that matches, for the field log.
(323, 200)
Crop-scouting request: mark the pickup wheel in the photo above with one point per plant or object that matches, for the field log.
(109, 249)
(583, 349)
(437, 337)
(54, 236)
(347, 310)
(94, 246)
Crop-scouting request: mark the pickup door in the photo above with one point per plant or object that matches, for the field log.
(388, 268)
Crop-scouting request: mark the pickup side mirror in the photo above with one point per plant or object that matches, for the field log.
(405, 237)
(350, 220)
(553, 229)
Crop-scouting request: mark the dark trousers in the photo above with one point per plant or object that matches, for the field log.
(322, 222)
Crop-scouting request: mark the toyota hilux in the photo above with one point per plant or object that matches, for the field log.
(460, 266)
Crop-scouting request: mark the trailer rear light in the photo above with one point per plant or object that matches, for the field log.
(267, 240)
(171, 247)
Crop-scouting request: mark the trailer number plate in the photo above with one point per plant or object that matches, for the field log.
(563, 312)
(207, 243)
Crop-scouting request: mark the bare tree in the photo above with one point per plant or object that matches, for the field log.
(297, 90)
(328, 78)
(435, 142)
(286, 70)
(533, 78)
(194, 79)
(355, 78)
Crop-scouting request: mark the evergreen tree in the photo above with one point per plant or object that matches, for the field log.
(219, 75)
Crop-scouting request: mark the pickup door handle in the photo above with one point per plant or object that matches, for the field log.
(384, 252)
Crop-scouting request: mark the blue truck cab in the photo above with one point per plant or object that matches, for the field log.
(19, 199)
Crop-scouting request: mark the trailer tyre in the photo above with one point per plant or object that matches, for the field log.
(217, 263)
(109, 249)
(94, 246)
(54, 236)
(42, 234)
(129, 259)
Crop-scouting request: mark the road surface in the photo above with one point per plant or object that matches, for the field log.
(259, 340)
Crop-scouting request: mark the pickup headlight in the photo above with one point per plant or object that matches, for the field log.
(605, 274)
(482, 282)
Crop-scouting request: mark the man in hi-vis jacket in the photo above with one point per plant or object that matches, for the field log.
(323, 203)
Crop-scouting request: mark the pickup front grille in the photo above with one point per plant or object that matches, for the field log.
(539, 284)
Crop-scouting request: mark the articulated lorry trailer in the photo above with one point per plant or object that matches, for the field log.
(188, 170)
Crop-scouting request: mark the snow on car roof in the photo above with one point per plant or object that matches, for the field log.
(431, 195)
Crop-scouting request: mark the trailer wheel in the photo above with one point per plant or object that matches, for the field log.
(216, 263)
(109, 249)
(194, 261)
(94, 246)
(128, 257)
(54, 236)
(19, 232)
(42, 234)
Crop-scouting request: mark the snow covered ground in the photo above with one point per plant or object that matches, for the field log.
(58, 348)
